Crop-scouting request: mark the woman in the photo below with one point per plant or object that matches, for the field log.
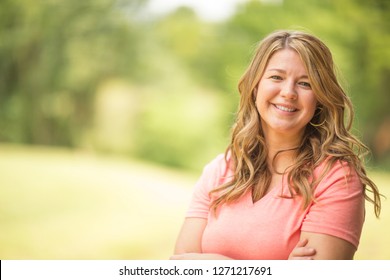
(291, 183)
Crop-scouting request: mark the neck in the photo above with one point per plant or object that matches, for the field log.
(282, 152)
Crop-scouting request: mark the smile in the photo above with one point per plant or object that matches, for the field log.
(284, 108)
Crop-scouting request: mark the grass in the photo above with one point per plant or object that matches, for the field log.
(374, 242)
(59, 204)
(56, 204)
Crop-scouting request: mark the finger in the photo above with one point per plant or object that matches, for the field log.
(302, 243)
(307, 251)
(303, 252)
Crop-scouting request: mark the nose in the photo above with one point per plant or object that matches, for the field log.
(288, 90)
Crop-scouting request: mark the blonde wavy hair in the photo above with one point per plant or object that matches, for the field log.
(328, 139)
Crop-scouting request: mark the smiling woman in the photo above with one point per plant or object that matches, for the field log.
(284, 98)
(291, 184)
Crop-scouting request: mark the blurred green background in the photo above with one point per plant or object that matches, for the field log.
(108, 113)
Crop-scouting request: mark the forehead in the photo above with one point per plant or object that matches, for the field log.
(287, 60)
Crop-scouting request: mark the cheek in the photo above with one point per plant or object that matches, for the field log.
(264, 93)
(312, 103)
(266, 87)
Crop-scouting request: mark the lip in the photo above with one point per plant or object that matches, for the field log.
(285, 108)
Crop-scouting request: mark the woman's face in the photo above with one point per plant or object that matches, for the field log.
(284, 97)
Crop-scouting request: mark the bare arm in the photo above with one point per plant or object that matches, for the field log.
(189, 244)
(328, 247)
(190, 236)
(301, 251)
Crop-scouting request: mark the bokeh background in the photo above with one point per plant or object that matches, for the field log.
(109, 109)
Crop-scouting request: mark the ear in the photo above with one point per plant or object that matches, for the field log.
(254, 94)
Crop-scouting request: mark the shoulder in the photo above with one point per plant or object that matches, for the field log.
(216, 171)
(217, 161)
(338, 209)
(336, 175)
(217, 166)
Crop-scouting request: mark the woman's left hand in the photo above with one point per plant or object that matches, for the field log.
(301, 252)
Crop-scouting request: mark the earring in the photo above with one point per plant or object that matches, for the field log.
(319, 110)
(317, 125)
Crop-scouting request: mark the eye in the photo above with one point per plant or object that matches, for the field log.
(305, 84)
(276, 77)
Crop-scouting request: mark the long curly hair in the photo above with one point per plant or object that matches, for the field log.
(327, 136)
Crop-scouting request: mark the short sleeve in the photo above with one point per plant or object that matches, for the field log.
(339, 207)
(210, 178)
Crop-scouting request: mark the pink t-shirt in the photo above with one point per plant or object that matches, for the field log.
(270, 228)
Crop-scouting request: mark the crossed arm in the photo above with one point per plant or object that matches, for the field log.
(311, 245)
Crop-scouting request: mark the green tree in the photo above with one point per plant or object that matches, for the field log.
(52, 55)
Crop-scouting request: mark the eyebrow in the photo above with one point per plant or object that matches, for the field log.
(284, 72)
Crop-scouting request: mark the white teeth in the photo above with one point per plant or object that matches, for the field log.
(280, 107)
